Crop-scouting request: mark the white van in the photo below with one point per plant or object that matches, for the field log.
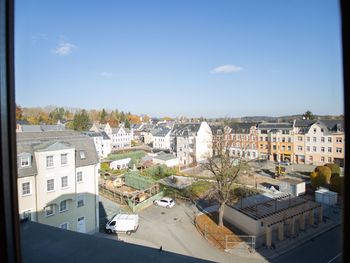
(123, 223)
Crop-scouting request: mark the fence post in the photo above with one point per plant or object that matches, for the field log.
(225, 241)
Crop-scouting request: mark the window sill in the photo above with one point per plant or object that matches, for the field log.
(46, 216)
(26, 195)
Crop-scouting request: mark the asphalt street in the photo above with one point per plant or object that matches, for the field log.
(325, 248)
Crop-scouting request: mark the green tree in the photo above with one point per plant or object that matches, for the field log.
(103, 116)
(337, 183)
(122, 117)
(308, 115)
(81, 121)
(334, 168)
(321, 176)
(127, 124)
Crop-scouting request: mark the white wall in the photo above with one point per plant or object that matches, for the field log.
(204, 142)
(243, 222)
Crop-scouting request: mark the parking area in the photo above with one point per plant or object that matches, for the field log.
(173, 230)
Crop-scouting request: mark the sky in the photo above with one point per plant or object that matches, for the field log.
(182, 57)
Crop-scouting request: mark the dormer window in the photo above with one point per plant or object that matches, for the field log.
(82, 155)
(25, 161)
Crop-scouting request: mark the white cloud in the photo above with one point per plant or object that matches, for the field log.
(106, 74)
(226, 69)
(64, 48)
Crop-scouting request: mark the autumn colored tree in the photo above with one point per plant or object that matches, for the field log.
(134, 119)
(321, 176)
(94, 115)
(19, 112)
(112, 120)
(335, 169)
(145, 118)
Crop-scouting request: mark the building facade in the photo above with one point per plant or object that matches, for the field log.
(102, 142)
(191, 142)
(58, 180)
(276, 141)
(244, 140)
(161, 139)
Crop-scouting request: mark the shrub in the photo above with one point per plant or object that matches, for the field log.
(337, 183)
(104, 166)
(334, 168)
(321, 176)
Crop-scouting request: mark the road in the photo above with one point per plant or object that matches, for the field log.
(325, 248)
(174, 231)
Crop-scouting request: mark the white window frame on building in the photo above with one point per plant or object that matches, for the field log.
(64, 158)
(64, 225)
(47, 210)
(49, 161)
(64, 182)
(25, 161)
(80, 177)
(27, 214)
(82, 155)
(47, 185)
(80, 200)
(29, 189)
(65, 207)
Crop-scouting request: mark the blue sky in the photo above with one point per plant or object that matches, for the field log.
(185, 57)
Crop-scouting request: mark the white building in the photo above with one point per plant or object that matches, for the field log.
(192, 142)
(120, 164)
(161, 139)
(58, 180)
(102, 142)
(167, 159)
(121, 138)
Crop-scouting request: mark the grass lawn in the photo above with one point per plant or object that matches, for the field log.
(134, 155)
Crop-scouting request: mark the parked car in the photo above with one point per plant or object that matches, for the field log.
(123, 223)
(165, 202)
(284, 163)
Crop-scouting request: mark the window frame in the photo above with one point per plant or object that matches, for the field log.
(82, 177)
(47, 188)
(67, 186)
(30, 188)
(66, 158)
(47, 161)
(53, 210)
(64, 210)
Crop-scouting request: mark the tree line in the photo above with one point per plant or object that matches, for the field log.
(79, 119)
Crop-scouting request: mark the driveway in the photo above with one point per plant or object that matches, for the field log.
(174, 231)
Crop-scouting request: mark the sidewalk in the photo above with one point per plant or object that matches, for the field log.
(333, 219)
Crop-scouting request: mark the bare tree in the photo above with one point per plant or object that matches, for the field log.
(224, 167)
